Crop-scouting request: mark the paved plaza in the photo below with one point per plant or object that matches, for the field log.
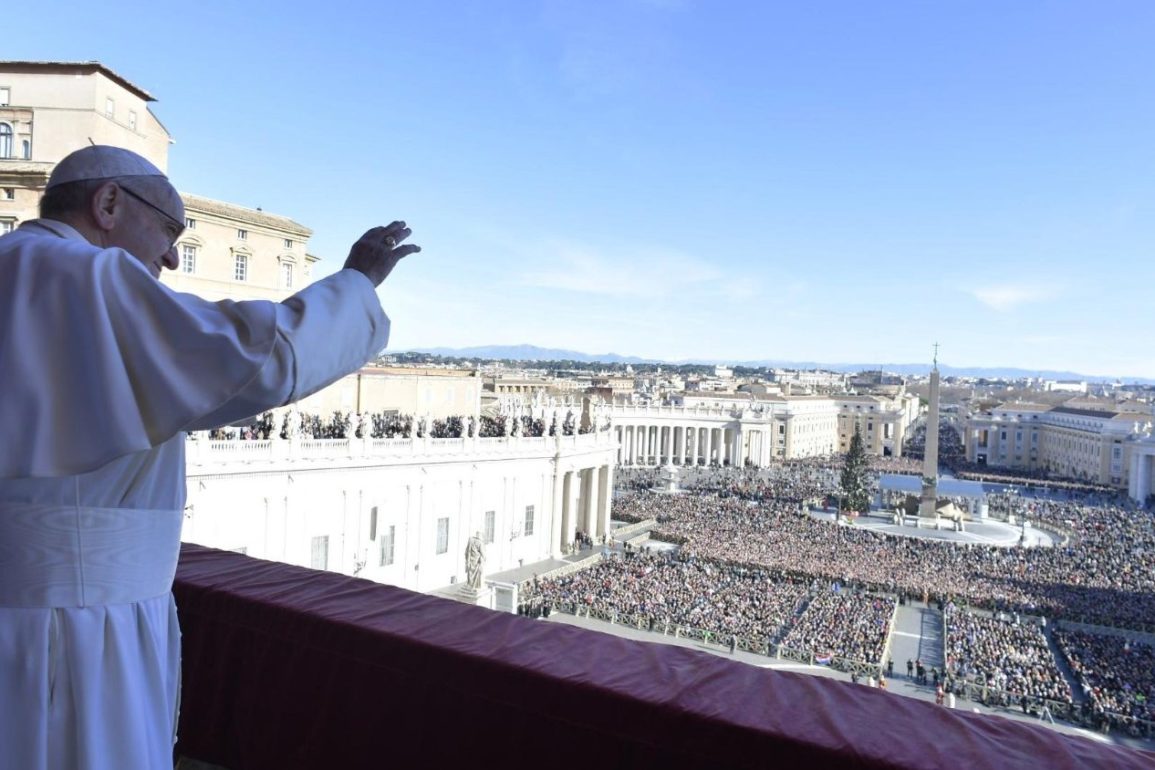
(986, 532)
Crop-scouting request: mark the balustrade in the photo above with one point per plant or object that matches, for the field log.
(204, 452)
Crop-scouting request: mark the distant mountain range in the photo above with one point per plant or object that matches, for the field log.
(531, 353)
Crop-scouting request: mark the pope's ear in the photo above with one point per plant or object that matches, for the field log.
(105, 205)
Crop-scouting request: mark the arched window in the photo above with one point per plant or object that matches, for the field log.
(5, 140)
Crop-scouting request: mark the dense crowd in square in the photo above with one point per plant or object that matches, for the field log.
(1116, 673)
(844, 624)
(664, 590)
(752, 561)
(1003, 655)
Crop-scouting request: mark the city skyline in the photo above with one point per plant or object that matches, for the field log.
(674, 181)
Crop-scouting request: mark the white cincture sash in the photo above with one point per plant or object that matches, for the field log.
(60, 556)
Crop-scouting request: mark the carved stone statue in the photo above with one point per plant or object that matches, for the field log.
(517, 426)
(293, 423)
(474, 561)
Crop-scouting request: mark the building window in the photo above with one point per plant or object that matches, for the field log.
(528, 520)
(5, 96)
(320, 552)
(6, 226)
(27, 148)
(242, 235)
(190, 223)
(287, 274)
(188, 258)
(109, 107)
(387, 545)
(490, 525)
(241, 267)
(443, 534)
(132, 119)
(288, 243)
(9, 193)
(5, 140)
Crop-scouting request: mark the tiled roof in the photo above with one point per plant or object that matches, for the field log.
(242, 214)
(66, 66)
(1084, 412)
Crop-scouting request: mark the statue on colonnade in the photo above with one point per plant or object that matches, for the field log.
(474, 561)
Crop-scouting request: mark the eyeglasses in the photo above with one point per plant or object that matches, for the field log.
(170, 224)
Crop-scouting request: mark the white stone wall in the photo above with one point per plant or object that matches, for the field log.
(275, 499)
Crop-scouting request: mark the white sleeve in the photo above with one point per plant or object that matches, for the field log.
(99, 360)
(323, 333)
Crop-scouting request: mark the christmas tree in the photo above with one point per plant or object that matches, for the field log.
(855, 496)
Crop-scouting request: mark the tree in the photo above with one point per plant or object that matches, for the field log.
(855, 496)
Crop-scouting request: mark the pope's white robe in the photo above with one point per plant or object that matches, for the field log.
(102, 370)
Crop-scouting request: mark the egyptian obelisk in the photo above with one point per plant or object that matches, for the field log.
(929, 498)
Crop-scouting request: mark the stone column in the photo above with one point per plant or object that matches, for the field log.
(670, 445)
(557, 528)
(591, 504)
(605, 499)
(1140, 481)
(570, 501)
(590, 492)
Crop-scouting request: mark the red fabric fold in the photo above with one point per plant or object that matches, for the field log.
(286, 667)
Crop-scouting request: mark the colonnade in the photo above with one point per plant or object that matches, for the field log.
(582, 497)
(655, 445)
(1140, 485)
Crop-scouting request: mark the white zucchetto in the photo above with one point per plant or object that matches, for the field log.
(100, 162)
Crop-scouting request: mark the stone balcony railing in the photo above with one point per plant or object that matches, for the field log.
(205, 452)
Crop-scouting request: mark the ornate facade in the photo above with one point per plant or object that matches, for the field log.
(400, 511)
(742, 429)
(1082, 444)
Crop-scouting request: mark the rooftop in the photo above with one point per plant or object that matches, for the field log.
(65, 67)
(197, 203)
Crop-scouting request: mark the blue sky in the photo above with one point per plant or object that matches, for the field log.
(829, 181)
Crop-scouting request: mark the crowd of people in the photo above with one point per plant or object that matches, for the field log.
(1116, 673)
(665, 591)
(1105, 574)
(1003, 655)
(844, 624)
(753, 563)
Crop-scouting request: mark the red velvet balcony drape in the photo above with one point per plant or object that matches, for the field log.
(286, 667)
